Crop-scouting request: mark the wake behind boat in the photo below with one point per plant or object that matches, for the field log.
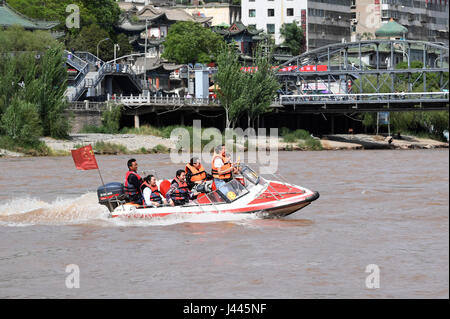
(246, 194)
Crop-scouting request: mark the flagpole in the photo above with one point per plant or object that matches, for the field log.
(101, 176)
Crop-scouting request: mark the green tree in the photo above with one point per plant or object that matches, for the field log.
(37, 77)
(189, 42)
(16, 39)
(293, 38)
(21, 122)
(231, 82)
(104, 13)
(125, 46)
(111, 120)
(260, 86)
(89, 38)
(45, 87)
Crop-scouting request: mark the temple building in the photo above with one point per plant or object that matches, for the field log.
(10, 17)
(245, 37)
(157, 21)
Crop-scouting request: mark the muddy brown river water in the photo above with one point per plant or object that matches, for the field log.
(388, 208)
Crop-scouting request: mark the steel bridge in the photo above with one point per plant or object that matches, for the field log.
(365, 76)
(400, 75)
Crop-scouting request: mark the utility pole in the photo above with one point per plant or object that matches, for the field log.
(116, 46)
(145, 55)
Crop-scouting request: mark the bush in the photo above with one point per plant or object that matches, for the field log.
(160, 149)
(111, 120)
(36, 149)
(21, 122)
(293, 136)
(110, 148)
(143, 130)
(312, 144)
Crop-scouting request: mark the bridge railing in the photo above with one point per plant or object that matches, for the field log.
(87, 106)
(403, 97)
(158, 100)
(89, 57)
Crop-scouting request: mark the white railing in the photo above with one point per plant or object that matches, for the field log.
(87, 106)
(158, 100)
(365, 97)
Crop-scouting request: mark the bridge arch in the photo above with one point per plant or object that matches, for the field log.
(373, 62)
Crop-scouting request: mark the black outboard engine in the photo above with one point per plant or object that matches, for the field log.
(111, 195)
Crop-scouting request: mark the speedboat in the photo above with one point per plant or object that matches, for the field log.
(248, 193)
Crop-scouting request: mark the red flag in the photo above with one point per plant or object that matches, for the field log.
(84, 158)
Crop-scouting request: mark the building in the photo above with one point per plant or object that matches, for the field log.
(157, 20)
(245, 38)
(323, 21)
(426, 20)
(221, 12)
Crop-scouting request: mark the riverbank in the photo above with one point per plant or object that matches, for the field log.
(146, 144)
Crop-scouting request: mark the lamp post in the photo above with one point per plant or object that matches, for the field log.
(145, 55)
(105, 39)
(116, 46)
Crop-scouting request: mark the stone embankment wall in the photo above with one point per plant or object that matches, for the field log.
(78, 120)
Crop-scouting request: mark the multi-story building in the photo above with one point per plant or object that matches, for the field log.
(323, 21)
(426, 20)
(221, 12)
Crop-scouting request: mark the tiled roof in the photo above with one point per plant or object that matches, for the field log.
(390, 29)
(9, 17)
(174, 14)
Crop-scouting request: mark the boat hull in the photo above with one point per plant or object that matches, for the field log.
(268, 209)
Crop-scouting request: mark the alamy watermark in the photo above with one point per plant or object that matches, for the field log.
(73, 279)
(250, 146)
(73, 19)
(373, 279)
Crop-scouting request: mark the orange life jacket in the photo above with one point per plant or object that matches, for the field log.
(215, 171)
(181, 195)
(197, 174)
(155, 195)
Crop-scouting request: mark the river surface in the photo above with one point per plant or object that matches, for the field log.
(388, 208)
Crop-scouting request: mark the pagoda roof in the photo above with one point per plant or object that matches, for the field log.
(126, 24)
(9, 17)
(151, 13)
(237, 28)
(391, 29)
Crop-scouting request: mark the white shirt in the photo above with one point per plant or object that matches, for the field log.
(147, 193)
(218, 163)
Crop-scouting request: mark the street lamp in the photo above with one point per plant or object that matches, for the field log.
(118, 49)
(105, 39)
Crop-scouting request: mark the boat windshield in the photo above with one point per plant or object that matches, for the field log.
(250, 175)
(228, 193)
(232, 191)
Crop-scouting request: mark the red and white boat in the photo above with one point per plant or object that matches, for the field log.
(245, 194)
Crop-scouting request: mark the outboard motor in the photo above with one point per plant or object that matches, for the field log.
(111, 195)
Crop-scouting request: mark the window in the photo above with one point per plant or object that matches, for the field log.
(252, 13)
(270, 12)
(289, 12)
(271, 28)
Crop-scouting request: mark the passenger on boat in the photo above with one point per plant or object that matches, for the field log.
(133, 183)
(221, 167)
(151, 193)
(196, 176)
(179, 193)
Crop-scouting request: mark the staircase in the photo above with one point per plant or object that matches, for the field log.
(89, 77)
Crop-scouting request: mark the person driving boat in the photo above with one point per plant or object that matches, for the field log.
(221, 166)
